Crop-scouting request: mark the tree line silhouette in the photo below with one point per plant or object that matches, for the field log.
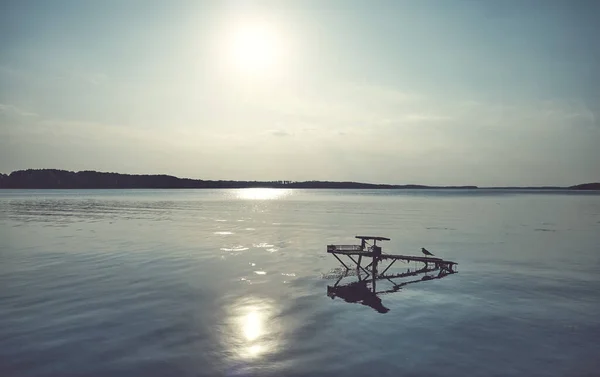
(63, 179)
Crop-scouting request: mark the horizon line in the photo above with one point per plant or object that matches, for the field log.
(295, 182)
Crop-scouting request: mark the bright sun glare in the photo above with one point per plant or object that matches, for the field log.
(255, 330)
(255, 47)
(262, 193)
(252, 325)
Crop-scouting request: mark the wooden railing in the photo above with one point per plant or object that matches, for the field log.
(334, 248)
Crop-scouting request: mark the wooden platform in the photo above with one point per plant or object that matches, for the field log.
(357, 250)
(367, 250)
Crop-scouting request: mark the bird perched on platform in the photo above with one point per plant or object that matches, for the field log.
(426, 252)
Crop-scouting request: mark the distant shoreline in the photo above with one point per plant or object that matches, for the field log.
(63, 179)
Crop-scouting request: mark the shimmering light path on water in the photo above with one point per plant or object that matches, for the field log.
(231, 283)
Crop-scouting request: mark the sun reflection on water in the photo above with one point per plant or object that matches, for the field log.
(254, 351)
(252, 326)
(261, 193)
(252, 331)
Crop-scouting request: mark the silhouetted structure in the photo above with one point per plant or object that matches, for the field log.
(368, 250)
(359, 291)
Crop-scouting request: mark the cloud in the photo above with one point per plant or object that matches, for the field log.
(12, 110)
(91, 78)
(279, 133)
(11, 72)
(339, 132)
(333, 104)
(426, 118)
(51, 76)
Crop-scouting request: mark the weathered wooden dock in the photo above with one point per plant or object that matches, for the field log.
(369, 249)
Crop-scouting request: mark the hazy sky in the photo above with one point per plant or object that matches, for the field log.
(433, 92)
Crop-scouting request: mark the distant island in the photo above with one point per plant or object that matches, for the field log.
(63, 179)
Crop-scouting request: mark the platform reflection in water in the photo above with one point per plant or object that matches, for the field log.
(363, 288)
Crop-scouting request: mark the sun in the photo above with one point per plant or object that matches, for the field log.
(255, 48)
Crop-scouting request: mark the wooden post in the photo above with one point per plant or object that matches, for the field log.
(374, 271)
(376, 251)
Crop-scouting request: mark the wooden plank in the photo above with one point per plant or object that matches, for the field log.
(415, 258)
(410, 258)
(343, 252)
(374, 238)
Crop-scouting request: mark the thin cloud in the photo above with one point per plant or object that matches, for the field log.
(280, 133)
(10, 109)
(426, 118)
(90, 77)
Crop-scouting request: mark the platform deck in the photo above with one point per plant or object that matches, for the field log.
(357, 251)
(369, 249)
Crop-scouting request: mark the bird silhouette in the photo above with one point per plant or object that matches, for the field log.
(426, 252)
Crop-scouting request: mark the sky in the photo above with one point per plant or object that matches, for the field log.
(444, 92)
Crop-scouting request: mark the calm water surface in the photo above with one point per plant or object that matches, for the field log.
(234, 283)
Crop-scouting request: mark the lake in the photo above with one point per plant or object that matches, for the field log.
(235, 283)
